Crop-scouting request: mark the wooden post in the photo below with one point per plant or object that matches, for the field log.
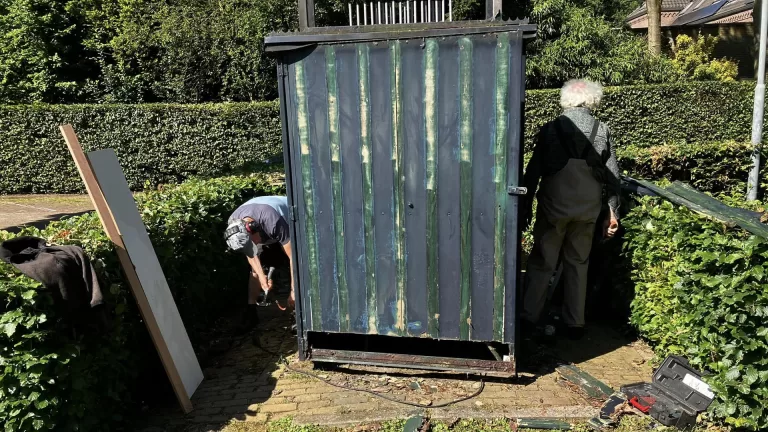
(110, 227)
(306, 14)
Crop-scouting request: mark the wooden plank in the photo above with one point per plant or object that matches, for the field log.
(543, 424)
(593, 387)
(111, 228)
(128, 221)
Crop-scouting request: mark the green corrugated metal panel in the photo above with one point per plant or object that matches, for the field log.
(402, 157)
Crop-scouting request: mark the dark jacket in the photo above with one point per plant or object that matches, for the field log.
(551, 154)
(65, 270)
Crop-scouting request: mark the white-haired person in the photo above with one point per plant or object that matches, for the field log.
(574, 167)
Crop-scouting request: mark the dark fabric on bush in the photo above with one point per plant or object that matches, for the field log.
(65, 270)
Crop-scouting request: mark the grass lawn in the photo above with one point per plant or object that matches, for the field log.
(628, 424)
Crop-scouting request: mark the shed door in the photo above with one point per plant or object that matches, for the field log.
(401, 153)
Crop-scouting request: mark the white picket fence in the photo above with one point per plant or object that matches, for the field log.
(407, 12)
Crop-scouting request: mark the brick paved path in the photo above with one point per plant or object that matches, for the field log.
(248, 384)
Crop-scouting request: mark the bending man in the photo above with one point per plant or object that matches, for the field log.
(258, 222)
(575, 161)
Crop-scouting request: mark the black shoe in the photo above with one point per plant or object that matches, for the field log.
(574, 333)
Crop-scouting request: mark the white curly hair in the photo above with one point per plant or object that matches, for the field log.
(581, 93)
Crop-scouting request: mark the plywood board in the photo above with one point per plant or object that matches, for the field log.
(128, 221)
(110, 227)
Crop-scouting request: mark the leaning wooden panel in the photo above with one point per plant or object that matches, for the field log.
(139, 247)
(108, 222)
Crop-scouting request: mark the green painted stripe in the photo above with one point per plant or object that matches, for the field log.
(465, 178)
(430, 125)
(365, 151)
(399, 183)
(337, 204)
(309, 205)
(500, 179)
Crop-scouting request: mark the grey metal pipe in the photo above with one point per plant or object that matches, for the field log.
(757, 113)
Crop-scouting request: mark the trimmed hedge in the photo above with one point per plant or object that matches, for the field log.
(156, 144)
(52, 380)
(700, 291)
(718, 167)
(650, 115)
(159, 144)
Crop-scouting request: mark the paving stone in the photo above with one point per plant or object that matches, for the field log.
(293, 392)
(368, 406)
(257, 418)
(233, 402)
(321, 411)
(307, 397)
(217, 398)
(313, 404)
(278, 408)
(253, 395)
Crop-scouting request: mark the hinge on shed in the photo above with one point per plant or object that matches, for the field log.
(292, 213)
(517, 190)
(282, 70)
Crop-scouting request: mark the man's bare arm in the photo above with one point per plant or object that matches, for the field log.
(258, 270)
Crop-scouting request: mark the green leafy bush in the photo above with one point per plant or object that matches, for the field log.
(51, 379)
(700, 291)
(156, 144)
(718, 167)
(692, 58)
(159, 144)
(651, 115)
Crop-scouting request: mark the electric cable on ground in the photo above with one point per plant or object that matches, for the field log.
(284, 361)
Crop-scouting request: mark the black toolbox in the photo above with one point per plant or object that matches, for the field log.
(675, 396)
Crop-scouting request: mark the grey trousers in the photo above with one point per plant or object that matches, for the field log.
(570, 240)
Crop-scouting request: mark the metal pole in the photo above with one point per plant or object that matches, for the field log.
(350, 13)
(757, 114)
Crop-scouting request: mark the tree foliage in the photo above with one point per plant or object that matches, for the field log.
(190, 51)
(692, 58)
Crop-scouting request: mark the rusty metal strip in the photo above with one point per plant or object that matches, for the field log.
(465, 194)
(500, 180)
(309, 208)
(430, 126)
(366, 152)
(399, 184)
(413, 361)
(591, 386)
(337, 203)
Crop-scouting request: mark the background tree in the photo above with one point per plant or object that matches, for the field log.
(654, 26)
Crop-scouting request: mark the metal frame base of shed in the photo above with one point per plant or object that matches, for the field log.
(502, 364)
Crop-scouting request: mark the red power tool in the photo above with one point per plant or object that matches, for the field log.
(643, 403)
